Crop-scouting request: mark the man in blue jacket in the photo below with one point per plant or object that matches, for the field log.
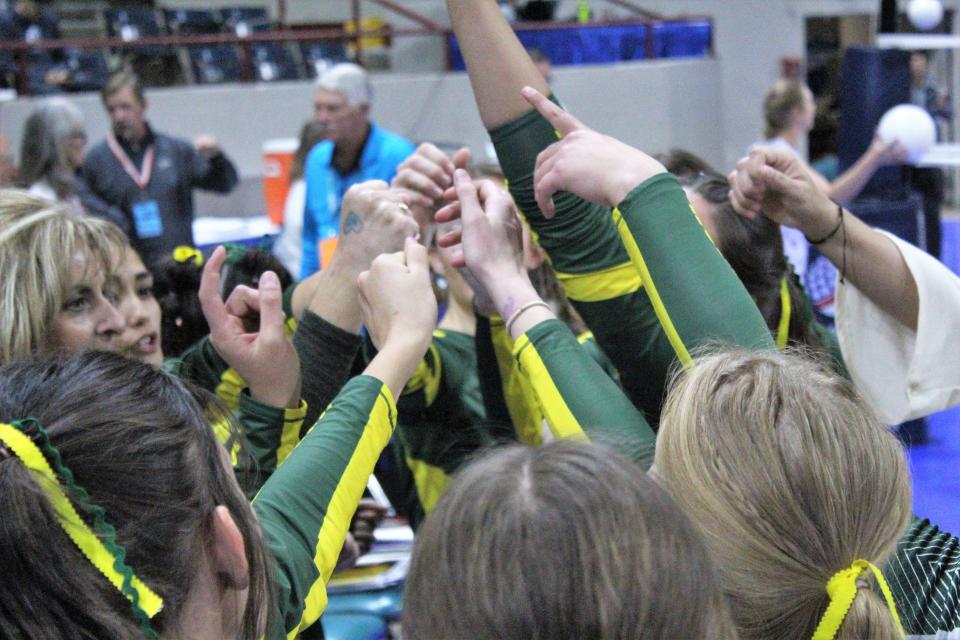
(355, 150)
(151, 176)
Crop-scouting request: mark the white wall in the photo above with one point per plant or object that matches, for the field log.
(653, 105)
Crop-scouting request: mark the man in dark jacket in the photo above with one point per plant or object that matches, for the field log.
(151, 176)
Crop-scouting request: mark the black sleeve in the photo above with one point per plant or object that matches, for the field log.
(326, 358)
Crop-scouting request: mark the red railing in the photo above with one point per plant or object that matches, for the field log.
(288, 34)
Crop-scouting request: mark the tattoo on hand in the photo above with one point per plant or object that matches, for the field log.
(353, 224)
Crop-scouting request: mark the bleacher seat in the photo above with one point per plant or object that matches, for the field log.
(191, 22)
(243, 21)
(273, 61)
(212, 64)
(134, 23)
(319, 55)
(88, 70)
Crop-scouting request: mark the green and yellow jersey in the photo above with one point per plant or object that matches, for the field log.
(441, 416)
(269, 433)
(306, 506)
(645, 277)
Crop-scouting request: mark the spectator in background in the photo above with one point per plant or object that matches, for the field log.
(354, 150)
(289, 244)
(151, 176)
(928, 181)
(52, 151)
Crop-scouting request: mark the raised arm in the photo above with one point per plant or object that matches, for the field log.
(496, 61)
(773, 182)
(327, 304)
(306, 507)
(576, 397)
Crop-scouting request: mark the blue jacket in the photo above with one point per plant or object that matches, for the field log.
(325, 186)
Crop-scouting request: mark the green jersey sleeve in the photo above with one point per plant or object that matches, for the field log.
(305, 508)
(577, 399)
(601, 259)
(695, 293)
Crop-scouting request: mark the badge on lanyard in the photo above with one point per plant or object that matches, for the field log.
(146, 212)
(146, 219)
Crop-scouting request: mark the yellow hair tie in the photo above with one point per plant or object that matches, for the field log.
(183, 253)
(842, 589)
(89, 544)
(783, 329)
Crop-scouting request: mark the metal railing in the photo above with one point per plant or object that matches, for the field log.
(291, 34)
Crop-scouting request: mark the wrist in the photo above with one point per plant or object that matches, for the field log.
(336, 298)
(630, 177)
(508, 295)
(822, 219)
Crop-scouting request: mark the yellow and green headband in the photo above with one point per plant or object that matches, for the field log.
(842, 589)
(106, 554)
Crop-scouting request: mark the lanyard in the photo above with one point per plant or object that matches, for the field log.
(140, 177)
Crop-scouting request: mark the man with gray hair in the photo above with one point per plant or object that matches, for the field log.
(354, 150)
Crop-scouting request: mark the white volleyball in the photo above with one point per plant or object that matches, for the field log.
(925, 14)
(911, 126)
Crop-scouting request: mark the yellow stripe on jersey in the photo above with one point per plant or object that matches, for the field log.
(560, 419)
(606, 284)
(659, 308)
(343, 504)
(230, 387)
(225, 435)
(427, 375)
(431, 482)
(290, 435)
(518, 395)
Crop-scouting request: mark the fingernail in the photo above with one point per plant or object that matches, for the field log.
(269, 280)
(527, 90)
(460, 175)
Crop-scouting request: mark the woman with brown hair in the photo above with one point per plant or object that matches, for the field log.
(567, 540)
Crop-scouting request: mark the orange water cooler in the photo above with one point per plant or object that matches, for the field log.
(277, 159)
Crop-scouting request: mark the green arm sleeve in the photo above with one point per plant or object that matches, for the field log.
(695, 293)
(591, 263)
(269, 435)
(577, 398)
(305, 508)
(924, 578)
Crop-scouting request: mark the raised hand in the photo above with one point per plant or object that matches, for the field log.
(588, 164)
(248, 332)
(399, 311)
(491, 248)
(774, 182)
(427, 174)
(374, 219)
